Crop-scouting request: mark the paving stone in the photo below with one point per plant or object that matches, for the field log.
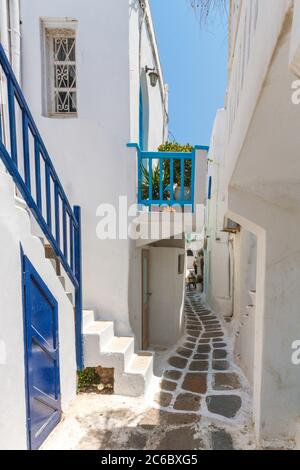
(168, 386)
(191, 339)
(137, 441)
(196, 383)
(193, 333)
(172, 374)
(226, 381)
(219, 354)
(214, 328)
(187, 402)
(219, 345)
(153, 418)
(204, 348)
(199, 366)
(177, 439)
(224, 405)
(200, 357)
(217, 340)
(164, 399)
(194, 327)
(189, 345)
(204, 341)
(213, 334)
(180, 419)
(221, 440)
(184, 352)
(220, 365)
(178, 362)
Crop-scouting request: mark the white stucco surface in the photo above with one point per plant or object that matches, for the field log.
(15, 232)
(258, 188)
(89, 152)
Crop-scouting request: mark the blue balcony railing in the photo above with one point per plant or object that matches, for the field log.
(25, 157)
(166, 178)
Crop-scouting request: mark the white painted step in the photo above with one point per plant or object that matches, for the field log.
(132, 372)
(95, 337)
(136, 378)
(87, 317)
(142, 364)
(118, 353)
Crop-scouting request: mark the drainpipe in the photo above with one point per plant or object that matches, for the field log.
(15, 32)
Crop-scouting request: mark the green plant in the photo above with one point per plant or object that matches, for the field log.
(167, 147)
(87, 378)
(178, 148)
(175, 147)
(155, 183)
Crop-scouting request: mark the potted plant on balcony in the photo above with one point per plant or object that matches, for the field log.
(175, 147)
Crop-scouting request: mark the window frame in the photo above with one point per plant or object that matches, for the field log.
(52, 28)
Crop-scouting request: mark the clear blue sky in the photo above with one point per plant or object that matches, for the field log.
(194, 61)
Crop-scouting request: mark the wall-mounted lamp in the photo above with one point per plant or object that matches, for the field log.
(153, 75)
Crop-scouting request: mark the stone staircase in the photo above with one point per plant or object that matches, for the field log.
(133, 373)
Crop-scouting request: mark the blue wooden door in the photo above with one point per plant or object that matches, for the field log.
(42, 357)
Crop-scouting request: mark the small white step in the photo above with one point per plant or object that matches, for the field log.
(87, 317)
(62, 281)
(140, 364)
(137, 377)
(96, 335)
(132, 372)
(118, 352)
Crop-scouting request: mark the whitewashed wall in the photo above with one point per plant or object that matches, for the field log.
(15, 231)
(243, 325)
(218, 281)
(90, 151)
(261, 180)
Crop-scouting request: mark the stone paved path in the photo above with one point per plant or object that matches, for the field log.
(201, 377)
(201, 401)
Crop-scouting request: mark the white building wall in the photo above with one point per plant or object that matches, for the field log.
(218, 281)
(244, 277)
(260, 194)
(16, 228)
(15, 231)
(89, 152)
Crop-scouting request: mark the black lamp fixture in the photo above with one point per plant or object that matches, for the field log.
(153, 75)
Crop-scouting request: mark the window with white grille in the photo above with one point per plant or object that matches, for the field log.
(61, 73)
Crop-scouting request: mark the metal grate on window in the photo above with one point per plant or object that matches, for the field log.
(62, 44)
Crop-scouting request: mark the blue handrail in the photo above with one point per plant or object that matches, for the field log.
(173, 169)
(66, 243)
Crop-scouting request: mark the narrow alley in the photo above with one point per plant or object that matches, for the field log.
(201, 400)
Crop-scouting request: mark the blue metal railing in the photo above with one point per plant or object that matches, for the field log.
(166, 178)
(49, 205)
